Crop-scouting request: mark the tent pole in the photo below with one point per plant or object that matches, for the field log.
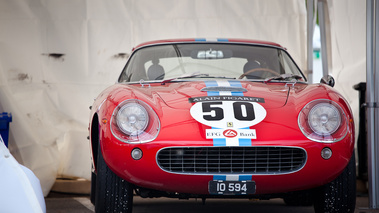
(310, 40)
(376, 103)
(324, 48)
(372, 72)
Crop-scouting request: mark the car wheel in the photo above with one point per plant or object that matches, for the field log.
(338, 195)
(93, 187)
(113, 194)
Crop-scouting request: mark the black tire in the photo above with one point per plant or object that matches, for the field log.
(338, 195)
(93, 187)
(301, 198)
(113, 194)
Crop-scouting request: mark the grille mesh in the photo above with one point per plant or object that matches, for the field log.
(226, 160)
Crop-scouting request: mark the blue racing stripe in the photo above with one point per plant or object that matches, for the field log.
(245, 177)
(211, 83)
(240, 177)
(218, 40)
(237, 93)
(219, 177)
(211, 93)
(242, 141)
(235, 83)
(222, 40)
(222, 141)
(219, 141)
(216, 141)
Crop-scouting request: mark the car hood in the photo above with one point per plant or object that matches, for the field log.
(180, 95)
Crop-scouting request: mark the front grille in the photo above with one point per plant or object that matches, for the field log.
(226, 160)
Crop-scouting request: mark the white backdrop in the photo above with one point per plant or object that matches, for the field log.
(57, 55)
(348, 48)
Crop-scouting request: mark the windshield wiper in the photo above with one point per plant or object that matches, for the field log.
(286, 76)
(193, 75)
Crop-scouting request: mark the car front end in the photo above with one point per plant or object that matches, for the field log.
(218, 119)
(185, 156)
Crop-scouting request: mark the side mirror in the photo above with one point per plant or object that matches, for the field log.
(328, 80)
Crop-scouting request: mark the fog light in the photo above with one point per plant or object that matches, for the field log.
(136, 154)
(326, 153)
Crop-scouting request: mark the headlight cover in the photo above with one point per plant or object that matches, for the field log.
(323, 121)
(134, 121)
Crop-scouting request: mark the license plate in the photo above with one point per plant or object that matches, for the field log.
(221, 187)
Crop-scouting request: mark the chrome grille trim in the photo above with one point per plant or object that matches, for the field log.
(258, 160)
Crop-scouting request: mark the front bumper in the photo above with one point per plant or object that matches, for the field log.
(148, 173)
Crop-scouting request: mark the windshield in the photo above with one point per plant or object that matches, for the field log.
(208, 60)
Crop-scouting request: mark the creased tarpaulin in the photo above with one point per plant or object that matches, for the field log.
(348, 48)
(57, 55)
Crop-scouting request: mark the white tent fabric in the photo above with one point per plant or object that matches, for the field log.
(348, 48)
(57, 55)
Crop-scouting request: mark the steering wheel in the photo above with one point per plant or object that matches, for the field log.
(259, 69)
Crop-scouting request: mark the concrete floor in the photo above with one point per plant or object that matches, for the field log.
(60, 200)
(68, 203)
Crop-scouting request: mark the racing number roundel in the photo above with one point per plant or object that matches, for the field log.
(226, 114)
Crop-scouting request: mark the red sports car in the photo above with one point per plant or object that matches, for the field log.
(222, 118)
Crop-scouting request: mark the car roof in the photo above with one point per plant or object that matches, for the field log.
(221, 40)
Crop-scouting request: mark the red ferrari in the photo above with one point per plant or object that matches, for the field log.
(222, 118)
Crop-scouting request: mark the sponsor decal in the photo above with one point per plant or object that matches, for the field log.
(231, 133)
(226, 98)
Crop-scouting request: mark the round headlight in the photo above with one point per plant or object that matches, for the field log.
(324, 119)
(132, 119)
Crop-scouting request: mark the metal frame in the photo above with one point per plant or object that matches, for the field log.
(315, 7)
(372, 98)
(310, 17)
(324, 47)
(372, 88)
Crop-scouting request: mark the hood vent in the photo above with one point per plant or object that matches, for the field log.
(223, 89)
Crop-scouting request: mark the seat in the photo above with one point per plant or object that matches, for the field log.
(155, 71)
(249, 66)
